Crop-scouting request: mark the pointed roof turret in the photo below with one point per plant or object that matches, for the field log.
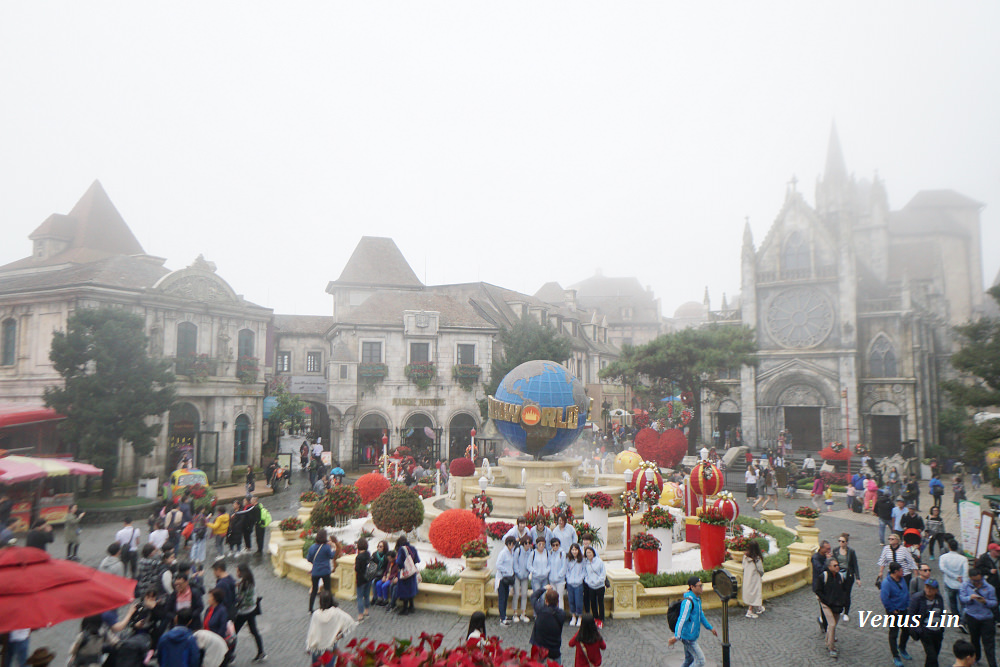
(377, 262)
(706, 301)
(836, 167)
(94, 224)
(747, 238)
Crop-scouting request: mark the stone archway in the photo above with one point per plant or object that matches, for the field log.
(182, 430)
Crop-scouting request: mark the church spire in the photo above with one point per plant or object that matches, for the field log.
(706, 301)
(836, 168)
(748, 249)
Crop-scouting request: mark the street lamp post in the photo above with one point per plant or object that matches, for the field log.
(628, 523)
(472, 443)
(847, 431)
(385, 454)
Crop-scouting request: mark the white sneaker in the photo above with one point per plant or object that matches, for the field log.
(524, 619)
(845, 617)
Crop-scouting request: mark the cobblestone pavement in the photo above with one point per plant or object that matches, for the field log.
(786, 634)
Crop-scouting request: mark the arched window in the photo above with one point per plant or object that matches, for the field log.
(241, 441)
(8, 342)
(187, 340)
(245, 344)
(795, 255)
(882, 360)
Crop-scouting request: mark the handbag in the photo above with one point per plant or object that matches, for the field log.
(508, 580)
(257, 610)
(409, 567)
(372, 571)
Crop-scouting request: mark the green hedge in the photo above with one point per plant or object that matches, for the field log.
(807, 484)
(438, 577)
(782, 536)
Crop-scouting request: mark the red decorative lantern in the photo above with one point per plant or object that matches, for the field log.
(706, 480)
(639, 479)
(728, 506)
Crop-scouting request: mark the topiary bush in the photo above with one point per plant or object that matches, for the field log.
(371, 486)
(397, 509)
(452, 529)
(336, 505)
(462, 467)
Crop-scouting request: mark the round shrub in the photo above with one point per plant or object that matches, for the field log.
(371, 486)
(462, 467)
(337, 504)
(666, 450)
(452, 529)
(397, 509)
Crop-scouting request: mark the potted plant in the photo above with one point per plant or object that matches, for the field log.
(476, 553)
(596, 506)
(466, 375)
(807, 516)
(590, 531)
(645, 548)
(308, 499)
(737, 546)
(336, 507)
(660, 523)
(291, 527)
(712, 534)
(421, 373)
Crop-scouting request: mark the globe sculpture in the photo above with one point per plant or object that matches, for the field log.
(540, 408)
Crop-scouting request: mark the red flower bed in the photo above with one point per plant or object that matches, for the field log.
(452, 529)
(666, 450)
(498, 529)
(462, 467)
(828, 454)
(371, 486)
(833, 478)
(427, 651)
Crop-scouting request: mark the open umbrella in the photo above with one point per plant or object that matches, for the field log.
(337, 472)
(38, 591)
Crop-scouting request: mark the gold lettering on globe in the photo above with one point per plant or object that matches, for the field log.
(566, 418)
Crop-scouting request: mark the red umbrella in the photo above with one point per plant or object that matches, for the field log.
(37, 591)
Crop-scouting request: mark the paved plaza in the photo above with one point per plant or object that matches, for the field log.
(786, 634)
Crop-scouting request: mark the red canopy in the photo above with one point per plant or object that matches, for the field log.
(14, 414)
(38, 591)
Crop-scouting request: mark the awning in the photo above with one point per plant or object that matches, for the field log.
(15, 469)
(13, 414)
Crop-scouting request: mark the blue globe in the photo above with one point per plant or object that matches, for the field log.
(540, 408)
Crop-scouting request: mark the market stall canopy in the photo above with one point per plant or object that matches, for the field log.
(15, 469)
(15, 414)
(38, 591)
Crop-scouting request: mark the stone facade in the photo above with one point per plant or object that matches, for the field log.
(852, 304)
(89, 259)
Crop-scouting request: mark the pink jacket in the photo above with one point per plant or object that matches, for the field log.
(817, 486)
(871, 485)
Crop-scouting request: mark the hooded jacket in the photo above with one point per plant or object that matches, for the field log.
(178, 648)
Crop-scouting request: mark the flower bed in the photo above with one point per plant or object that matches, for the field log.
(538, 512)
(773, 561)
(309, 497)
(657, 517)
(371, 486)
(498, 529)
(453, 528)
(598, 500)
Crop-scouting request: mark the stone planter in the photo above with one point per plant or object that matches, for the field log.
(713, 546)
(736, 555)
(308, 504)
(291, 534)
(475, 563)
(664, 558)
(598, 518)
(806, 521)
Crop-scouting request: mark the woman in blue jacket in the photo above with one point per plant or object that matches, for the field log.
(557, 568)
(504, 577)
(320, 554)
(538, 565)
(574, 583)
(594, 575)
(521, 554)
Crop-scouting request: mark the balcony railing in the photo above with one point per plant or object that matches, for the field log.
(197, 368)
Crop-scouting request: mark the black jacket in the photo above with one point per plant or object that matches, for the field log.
(919, 604)
(984, 563)
(883, 508)
(834, 591)
(915, 521)
(549, 622)
(361, 568)
(852, 563)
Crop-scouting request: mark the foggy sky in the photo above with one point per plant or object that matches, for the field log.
(514, 143)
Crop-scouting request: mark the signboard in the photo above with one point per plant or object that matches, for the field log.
(418, 402)
(969, 515)
(270, 403)
(307, 384)
(985, 529)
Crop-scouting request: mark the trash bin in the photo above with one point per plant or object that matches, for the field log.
(149, 487)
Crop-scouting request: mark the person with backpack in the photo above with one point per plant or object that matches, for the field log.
(686, 620)
(177, 647)
(199, 537)
(936, 487)
(549, 621)
(261, 524)
(362, 583)
(927, 604)
(128, 537)
(833, 588)
(88, 648)
(588, 643)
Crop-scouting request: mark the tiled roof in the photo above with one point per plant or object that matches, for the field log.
(551, 292)
(941, 199)
(377, 262)
(386, 309)
(918, 261)
(120, 272)
(315, 325)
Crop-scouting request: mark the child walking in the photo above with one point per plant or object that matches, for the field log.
(588, 642)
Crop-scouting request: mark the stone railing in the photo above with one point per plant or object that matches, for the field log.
(626, 597)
